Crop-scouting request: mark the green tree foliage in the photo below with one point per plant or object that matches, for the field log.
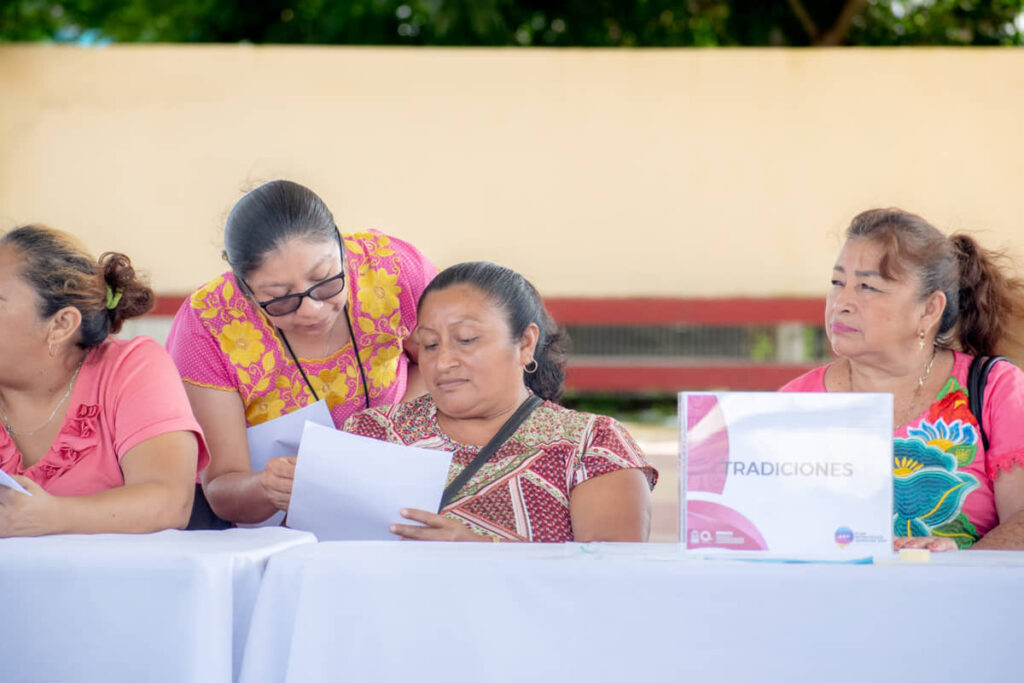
(586, 23)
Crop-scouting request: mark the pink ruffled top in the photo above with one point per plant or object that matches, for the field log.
(127, 391)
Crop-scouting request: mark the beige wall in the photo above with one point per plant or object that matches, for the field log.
(680, 173)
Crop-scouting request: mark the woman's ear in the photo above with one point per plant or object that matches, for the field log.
(64, 326)
(934, 306)
(528, 343)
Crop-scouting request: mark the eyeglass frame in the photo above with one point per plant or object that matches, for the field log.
(299, 296)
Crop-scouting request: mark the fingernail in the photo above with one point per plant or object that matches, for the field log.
(405, 512)
(393, 529)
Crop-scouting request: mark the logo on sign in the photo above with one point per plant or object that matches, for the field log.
(844, 536)
(702, 536)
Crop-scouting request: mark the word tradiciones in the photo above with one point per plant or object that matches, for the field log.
(788, 469)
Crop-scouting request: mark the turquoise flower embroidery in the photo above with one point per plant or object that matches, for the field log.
(928, 491)
(956, 437)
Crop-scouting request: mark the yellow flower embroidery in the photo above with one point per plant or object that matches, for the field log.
(198, 299)
(242, 342)
(378, 292)
(942, 444)
(265, 408)
(905, 467)
(334, 386)
(384, 366)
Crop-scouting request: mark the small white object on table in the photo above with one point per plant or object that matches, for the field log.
(423, 612)
(171, 606)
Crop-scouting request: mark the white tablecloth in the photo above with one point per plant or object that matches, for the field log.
(418, 612)
(172, 606)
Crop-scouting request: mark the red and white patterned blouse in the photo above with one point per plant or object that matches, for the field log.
(523, 491)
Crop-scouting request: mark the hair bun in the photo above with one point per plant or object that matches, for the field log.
(127, 296)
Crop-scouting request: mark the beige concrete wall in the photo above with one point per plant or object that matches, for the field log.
(681, 173)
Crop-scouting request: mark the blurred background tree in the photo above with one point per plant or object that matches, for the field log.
(565, 23)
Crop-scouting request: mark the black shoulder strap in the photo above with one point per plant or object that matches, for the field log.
(503, 435)
(977, 379)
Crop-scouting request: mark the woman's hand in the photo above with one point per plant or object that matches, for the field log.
(936, 544)
(438, 528)
(277, 479)
(34, 515)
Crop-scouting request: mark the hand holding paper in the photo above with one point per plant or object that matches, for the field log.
(12, 483)
(276, 440)
(277, 479)
(434, 527)
(350, 488)
(26, 509)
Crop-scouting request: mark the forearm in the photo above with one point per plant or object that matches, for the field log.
(134, 508)
(239, 497)
(1008, 535)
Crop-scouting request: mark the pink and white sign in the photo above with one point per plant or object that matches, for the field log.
(786, 473)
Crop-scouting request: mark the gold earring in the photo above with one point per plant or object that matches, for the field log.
(53, 353)
(528, 370)
(921, 339)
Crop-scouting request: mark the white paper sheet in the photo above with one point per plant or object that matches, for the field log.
(352, 488)
(9, 481)
(280, 438)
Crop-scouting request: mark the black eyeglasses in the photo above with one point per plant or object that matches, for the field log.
(289, 303)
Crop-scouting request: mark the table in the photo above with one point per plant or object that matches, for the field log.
(170, 606)
(419, 612)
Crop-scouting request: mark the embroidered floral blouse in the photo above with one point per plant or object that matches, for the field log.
(522, 493)
(220, 339)
(126, 392)
(943, 476)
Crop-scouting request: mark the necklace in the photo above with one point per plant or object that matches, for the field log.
(908, 413)
(22, 432)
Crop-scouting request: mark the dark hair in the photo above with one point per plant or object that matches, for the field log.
(522, 305)
(268, 216)
(980, 296)
(63, 274)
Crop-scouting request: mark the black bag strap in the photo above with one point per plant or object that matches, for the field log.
(977, 378)
(492, 446)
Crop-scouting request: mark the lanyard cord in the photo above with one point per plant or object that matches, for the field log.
(359, 362)
(355, 349)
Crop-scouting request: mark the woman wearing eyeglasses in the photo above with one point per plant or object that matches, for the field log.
(305, 313)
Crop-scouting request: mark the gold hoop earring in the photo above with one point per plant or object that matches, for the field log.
(528, 370)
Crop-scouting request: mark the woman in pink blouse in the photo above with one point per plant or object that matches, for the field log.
(908, 311)
(305, 313)
(97, 430)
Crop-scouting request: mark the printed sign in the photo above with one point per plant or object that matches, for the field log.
(786, 473)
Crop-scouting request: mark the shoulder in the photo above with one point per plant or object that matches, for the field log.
(1003, 375)
(118, 352)
(372, 249)
(552, 422)
(218, 291)
(219, 296)
(119, 365)
(813, 381)
(1004, 386)
(403, 422)
(368, 246)
(375, 242)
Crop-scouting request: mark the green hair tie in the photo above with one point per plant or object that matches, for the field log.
(113, 298)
